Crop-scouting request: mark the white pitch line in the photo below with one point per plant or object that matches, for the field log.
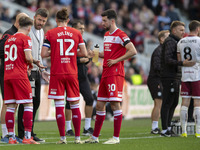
(129, 138)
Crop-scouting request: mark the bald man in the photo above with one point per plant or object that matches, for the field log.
(5, 36)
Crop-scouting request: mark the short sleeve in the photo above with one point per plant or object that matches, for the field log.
(46, 40)
(27, 44)
(81, 41)
(124, 39)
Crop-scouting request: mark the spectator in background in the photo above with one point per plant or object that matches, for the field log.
(94, 76)
(146, 15)
(172, 14)
(130, 71)
(6, 15)
(154, 82)
(163, 21)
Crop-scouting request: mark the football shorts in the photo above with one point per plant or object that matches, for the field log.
(190, 89)
(60, 83)
(155, 88)
(17, 91)
(111, 88)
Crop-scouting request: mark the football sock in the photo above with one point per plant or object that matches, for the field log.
(4, 130)
(77, 138)
(100, 117)
(27, 134)
(183, 118)
(197, 119)
(169, 128)
(10, 121)
(164, 131)
(68, 125)
(62, 138)
(154, 125)
(117, 138)
(76, 119)
(28, 120)
(117, 122)
(87, 123)
(60, 117)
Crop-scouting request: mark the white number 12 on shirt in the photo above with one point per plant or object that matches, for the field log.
(67, 52)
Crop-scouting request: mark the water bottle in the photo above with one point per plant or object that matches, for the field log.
(96, 53)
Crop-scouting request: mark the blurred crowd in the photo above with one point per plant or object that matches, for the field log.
(140, 19)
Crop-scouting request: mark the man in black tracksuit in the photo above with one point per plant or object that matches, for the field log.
(171, 76)
(154, 82)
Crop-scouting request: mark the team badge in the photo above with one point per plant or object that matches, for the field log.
(29, 43)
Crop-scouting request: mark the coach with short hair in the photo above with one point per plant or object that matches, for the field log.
(171, 76)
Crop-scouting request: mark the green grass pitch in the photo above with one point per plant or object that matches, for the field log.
(135, 135)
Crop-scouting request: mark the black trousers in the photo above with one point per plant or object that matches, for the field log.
(85, 90)
(36, 103)
(171, 89)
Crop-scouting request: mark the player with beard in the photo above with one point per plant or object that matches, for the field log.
(117, 48)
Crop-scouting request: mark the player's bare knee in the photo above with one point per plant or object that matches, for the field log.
(115, 106)
(196, 102)
(74, 102)
(28, 104)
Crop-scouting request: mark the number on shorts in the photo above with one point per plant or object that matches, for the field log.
(111, 87)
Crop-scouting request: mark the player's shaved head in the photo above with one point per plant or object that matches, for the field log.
(17, 19)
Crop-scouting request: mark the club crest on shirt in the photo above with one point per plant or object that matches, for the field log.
(113, 40)
(29, 43)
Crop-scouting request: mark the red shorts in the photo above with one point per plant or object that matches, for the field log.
(190, 89)
(59, 83)
(111, 88)
(17, 91)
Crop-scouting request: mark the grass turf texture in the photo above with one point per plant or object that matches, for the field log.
(135, 135)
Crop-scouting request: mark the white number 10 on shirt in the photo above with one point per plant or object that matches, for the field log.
(67, 52)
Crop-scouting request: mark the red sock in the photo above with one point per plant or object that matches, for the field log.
(60, 117)
(9, 118)
(100, 117)
(76, 118)
(117, 122)
(28, 118)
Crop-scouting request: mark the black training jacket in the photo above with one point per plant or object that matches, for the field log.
(170, 66)
(155, 63)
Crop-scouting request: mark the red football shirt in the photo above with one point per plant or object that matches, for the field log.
(15, 66)
(63, 42)
(114, 47)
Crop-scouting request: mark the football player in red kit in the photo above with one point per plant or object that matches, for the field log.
(17, 88)
(117, 48)
(61, 44)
